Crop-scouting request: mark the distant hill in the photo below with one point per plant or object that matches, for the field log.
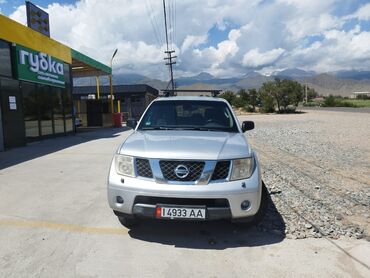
(294, 73)
(326, 84)
(342, 83)
(353, 74)
(205, 78)
(253, 81)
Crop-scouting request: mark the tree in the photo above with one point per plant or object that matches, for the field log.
(330, 101)
(311, 94)
(244, 96)
(280, 92)
(293, 93)
(287, 92)
(238, 102)
(229, 96)
(253, 98)
(266, 96)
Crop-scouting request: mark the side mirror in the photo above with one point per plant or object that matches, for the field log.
(247, 125)
(131, 123)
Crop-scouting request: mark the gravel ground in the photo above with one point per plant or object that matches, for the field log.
(316, 166)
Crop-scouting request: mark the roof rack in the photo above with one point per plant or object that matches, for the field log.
(170, 93)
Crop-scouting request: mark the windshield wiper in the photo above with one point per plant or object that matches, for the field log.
(201, 128)
(156, 128)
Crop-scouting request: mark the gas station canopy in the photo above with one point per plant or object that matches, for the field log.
(83, 66)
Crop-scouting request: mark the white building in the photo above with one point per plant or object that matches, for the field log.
(355, 94)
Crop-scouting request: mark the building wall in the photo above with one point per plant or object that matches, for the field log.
(40, 111)
(1, 133)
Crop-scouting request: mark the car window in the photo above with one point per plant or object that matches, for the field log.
(184, 114)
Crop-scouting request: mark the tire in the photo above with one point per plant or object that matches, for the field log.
(128, 222)
(258, 217)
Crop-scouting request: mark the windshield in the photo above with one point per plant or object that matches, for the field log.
(189, 115)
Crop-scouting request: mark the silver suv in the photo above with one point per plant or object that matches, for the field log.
(187, 159)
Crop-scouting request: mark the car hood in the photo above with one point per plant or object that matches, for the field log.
(179, 144)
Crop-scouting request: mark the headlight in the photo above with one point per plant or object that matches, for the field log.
(242, 168)
(124, 165)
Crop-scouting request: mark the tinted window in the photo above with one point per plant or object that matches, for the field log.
(46, 109)
(67, 75)
(5, 61)
(184, 114)
(67, 104)
(30, 109)
(58, 117)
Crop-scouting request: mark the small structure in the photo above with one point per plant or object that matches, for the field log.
(92, 108)
(359, 94)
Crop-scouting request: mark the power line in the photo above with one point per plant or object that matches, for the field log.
(174, 21)
(165, 22)
(170, 60)
(150, 18)
(169, 23)
(154, 22)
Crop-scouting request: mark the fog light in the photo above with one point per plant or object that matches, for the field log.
(119, 200)
(245, 205)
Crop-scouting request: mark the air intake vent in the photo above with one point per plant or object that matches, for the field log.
(221, 170)
(143, 168)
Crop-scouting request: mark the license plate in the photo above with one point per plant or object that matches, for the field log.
(181, 213)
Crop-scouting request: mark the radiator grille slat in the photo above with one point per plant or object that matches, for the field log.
(143, 168)
(168, 169)
(221, 170)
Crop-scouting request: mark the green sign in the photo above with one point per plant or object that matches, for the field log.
(39, 67)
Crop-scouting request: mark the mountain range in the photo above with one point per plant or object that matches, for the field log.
(342, 83)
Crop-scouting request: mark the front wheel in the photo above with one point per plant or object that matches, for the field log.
(258, 217)
(128, 222)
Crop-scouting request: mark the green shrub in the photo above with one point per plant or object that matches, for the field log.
(346, 104)
(238, 102)
(330, 101)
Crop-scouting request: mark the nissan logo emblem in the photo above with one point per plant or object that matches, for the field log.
(181, 171)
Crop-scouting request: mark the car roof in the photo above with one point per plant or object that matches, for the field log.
(192, 98)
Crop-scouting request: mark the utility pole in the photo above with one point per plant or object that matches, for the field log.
(111, 82)
(305, 89)
(170, 62)
(169, 58)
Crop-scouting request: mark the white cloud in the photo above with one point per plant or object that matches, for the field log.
(20, 15)
(269, 35)
(254, 58)
(191, 41)
(301, 27)
(363, 13)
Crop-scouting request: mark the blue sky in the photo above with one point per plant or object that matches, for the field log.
(9, 6)
(222, 39)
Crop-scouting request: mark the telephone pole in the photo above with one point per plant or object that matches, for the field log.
(170, 60)
(305, 89)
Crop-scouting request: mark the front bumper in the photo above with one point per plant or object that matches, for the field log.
(235, 192)
(148, 211)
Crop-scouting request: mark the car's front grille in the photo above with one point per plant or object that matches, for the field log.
(221, 170)
(182, 201)
(143, 168)
(168, 168)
